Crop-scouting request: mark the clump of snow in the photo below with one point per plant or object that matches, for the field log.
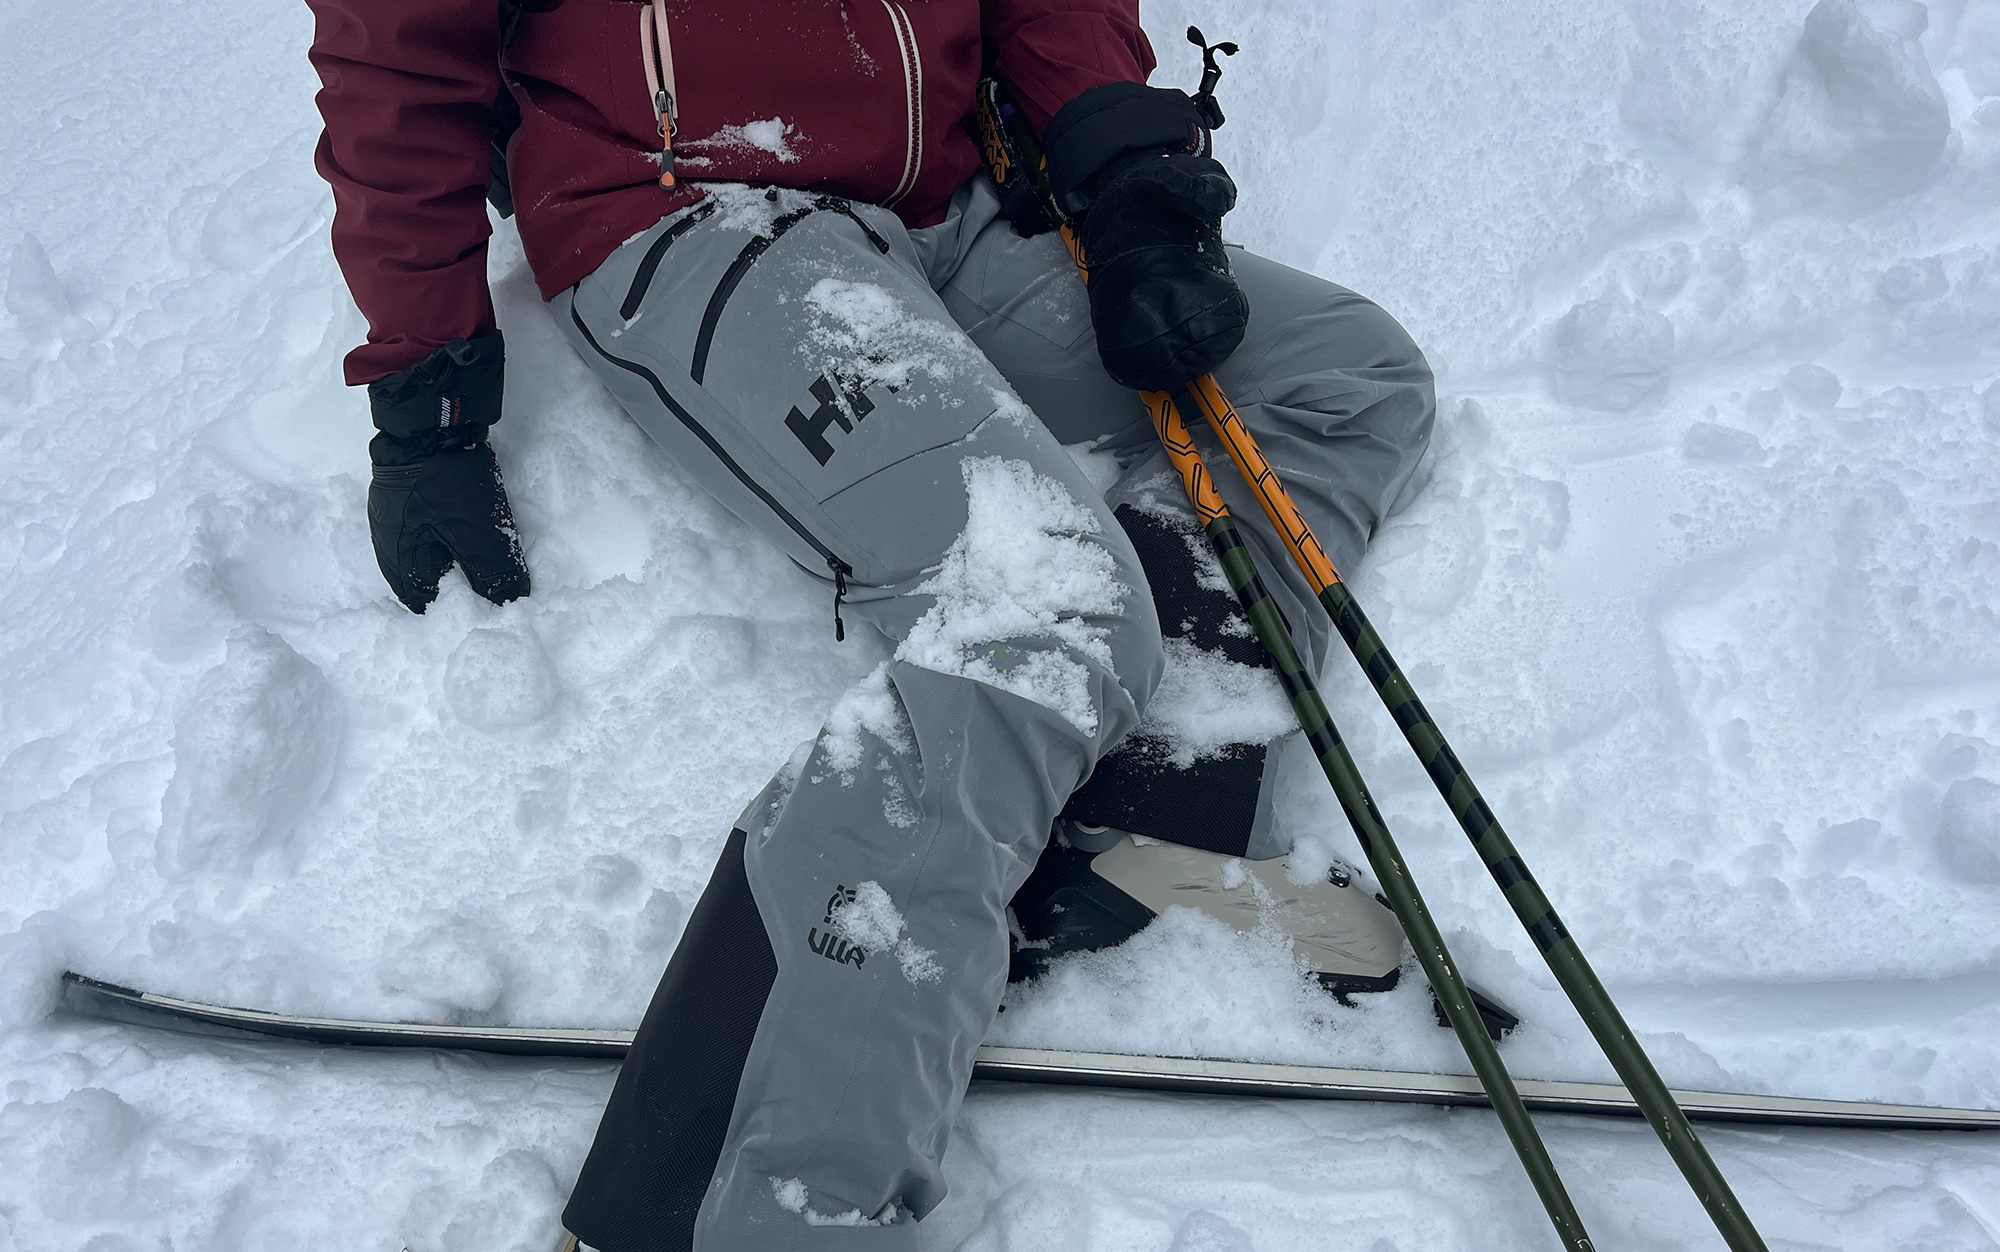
(1860, 116)
(659, 921)
(1969, 830)
(772, 135)
(920, 964)
(1015, 592)
(869, 706)
(501, 677)
(792, 1196)
(1234, 876)
(1611, 353)
(872, 920)
(32, 959)
(1208, 706)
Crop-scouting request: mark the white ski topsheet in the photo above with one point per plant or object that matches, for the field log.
(1700, 580)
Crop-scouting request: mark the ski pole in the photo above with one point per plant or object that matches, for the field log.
(1502, 859)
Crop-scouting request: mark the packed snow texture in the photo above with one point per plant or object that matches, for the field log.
(1699, 577)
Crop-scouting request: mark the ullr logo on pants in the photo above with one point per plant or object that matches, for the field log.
(830, 945)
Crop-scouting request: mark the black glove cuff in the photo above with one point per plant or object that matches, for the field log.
(389, 454)
(1105, 123)
(455, 387)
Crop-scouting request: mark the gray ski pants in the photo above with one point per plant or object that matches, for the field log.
(848, 387)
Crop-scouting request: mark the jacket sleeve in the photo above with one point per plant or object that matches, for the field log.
(1048, 52)
(406, 86)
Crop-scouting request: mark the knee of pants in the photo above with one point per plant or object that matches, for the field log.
(1316, 348)
(957, 513)
(1406, 407)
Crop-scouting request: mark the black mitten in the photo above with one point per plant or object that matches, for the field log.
(1132, 162)
(435, 496)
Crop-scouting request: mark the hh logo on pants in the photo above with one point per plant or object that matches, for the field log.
(836, 405)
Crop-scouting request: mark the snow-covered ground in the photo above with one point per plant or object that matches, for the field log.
(1701, 578)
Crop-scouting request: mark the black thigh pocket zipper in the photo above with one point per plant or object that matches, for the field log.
(726, 286)
(650, 263)
(839, 568)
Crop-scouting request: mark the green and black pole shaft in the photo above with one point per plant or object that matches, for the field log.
(1170, 415)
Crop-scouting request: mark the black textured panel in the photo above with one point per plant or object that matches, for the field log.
(662, 1130)
(1065, 907)
(1211, 804)
(1187, 609)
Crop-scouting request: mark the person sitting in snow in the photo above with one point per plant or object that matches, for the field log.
(768, 230)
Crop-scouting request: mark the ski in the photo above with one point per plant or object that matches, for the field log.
(92, 997)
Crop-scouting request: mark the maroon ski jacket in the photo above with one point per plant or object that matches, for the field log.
(858, 98)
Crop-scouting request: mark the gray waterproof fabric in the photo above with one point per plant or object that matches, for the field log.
(857, 406)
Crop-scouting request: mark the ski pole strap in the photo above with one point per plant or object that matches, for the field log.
(1211, 73)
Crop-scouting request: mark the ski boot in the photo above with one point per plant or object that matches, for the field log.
(1095, 887)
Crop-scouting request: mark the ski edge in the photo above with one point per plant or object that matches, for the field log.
(95, 998)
